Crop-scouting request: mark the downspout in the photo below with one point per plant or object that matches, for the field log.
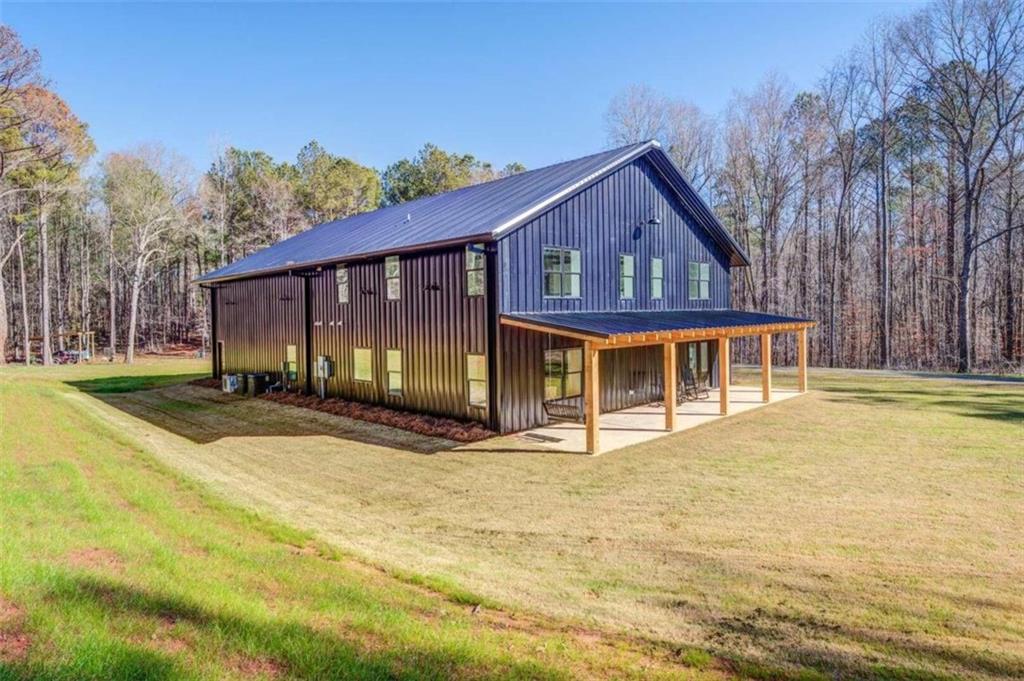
(493, 336)
(307, 305)
(214, 345)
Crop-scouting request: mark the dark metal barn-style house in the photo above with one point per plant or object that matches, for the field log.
(586, 286)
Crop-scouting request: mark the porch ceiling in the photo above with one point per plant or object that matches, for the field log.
(618, 329)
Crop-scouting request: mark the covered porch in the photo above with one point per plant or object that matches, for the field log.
(601, 332)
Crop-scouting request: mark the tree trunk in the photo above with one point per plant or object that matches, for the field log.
(3, 320)
(44, 286)
(26, 330)
(133, 310)
(112, 289)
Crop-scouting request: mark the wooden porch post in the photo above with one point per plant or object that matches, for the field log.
(801, 360)
(591, 397)
(669, 354)
(766, 367)
(723, 375)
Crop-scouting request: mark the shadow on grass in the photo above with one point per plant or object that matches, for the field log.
(128, 384)
(826, 648)
(203, 415)
(973, 402)
(289, 647)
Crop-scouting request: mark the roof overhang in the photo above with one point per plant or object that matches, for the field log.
(340, 260)
(624, 329)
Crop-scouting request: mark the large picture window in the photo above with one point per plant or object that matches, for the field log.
(392, 277)
(700, 280)
(657, 278)
(627, 276)
(561, 273)
(476, 375)
(475, 277)
(362, 364)
(394, 372)
(341, 275)
(563, 373)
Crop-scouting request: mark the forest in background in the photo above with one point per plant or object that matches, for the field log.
(885, 202)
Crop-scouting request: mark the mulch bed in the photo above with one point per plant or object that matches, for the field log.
(423, 424)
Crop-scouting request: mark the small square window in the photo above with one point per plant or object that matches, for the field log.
(476, 376)
(362, 364)
(393, 277)
(341, 277)
(394, 366)
(626, 276)
(476, 283)
(699, 280)
(657, 278)
(561, 272)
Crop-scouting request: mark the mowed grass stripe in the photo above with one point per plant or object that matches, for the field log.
(113, 567)
(870, 528)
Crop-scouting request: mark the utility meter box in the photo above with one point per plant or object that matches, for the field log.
(324, 367)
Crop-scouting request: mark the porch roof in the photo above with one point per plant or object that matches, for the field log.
(645, 327)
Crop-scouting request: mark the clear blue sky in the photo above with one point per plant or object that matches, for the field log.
(374, 82)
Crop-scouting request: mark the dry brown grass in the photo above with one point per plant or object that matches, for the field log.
(870, 528)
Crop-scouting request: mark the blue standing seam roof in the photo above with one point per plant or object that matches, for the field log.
(607, 324)
(473, 212)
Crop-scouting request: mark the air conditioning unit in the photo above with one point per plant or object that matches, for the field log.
(229, 383)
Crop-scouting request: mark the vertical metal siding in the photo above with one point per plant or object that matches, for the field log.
(629, 376)
(434, 324)
(257, 319)
(604, 220)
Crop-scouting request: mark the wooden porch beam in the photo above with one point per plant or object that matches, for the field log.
(801, 360)
(723, 375)
(591, 397)
(669, 354)
(766, 367)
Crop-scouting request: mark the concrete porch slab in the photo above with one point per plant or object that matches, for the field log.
(646, 422)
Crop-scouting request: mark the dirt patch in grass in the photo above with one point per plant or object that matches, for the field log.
(14, 642)
(208, 382)
(259, 667)
(94, 558)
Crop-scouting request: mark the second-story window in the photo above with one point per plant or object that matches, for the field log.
(627, 276)
(700, 280)
(561, 273)
(657, 278)
(475, 278)
(392, 277)
(341, 275)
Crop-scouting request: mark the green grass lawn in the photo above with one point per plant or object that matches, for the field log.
(113, 566)
(873, 528)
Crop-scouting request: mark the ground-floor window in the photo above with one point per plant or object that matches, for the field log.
(395, 372)
(563, 373)
(291, 363)
(362, 364)
(476, 375)
(699, 358)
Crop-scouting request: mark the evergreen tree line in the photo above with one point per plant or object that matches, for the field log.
(885, 202)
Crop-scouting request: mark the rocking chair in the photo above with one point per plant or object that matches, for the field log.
(692, 388)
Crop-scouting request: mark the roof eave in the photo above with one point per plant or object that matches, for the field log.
(282, 269)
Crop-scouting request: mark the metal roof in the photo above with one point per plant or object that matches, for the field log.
(608, 324)
(478, 212)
